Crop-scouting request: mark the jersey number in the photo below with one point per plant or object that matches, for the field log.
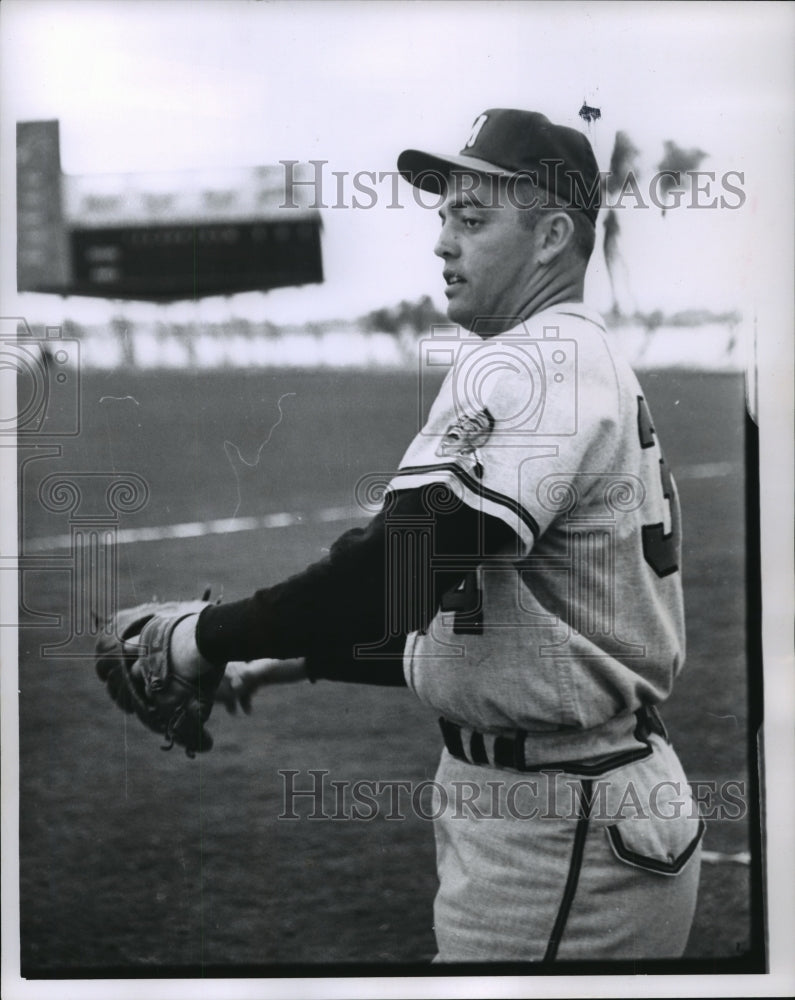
(659, 550)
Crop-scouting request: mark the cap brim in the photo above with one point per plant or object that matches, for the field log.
(430, 171)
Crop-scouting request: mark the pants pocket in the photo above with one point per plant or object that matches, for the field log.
(655, 824)
(654, 845)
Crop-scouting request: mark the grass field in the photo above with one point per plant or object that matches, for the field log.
(138, 861)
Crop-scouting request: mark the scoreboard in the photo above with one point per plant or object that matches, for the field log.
(189, 261)
(157, 236)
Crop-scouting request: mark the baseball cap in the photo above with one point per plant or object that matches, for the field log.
(507, 142)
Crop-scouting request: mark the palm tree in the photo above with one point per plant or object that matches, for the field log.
(674, 163)
(622, 164)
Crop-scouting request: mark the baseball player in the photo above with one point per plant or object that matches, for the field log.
(523, 578)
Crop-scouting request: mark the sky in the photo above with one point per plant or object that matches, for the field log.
(141, 85)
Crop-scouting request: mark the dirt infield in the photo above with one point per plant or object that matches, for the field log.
(140, 861)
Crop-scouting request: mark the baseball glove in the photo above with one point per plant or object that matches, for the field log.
(133, 661)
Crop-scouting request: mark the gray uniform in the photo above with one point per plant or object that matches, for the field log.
(553, 652)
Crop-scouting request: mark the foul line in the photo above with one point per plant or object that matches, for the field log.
(717, 858)
(706, 470)
(286, 519)
(196, 529)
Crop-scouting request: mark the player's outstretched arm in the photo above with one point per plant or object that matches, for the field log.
(241, 679)
(348, 599)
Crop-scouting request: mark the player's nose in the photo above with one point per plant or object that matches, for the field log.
(446, 245)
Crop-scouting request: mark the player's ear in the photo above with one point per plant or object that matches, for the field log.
(556, 232)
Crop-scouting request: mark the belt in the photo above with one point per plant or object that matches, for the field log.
(509, 751)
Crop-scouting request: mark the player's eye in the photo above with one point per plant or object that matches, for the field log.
(469, 223)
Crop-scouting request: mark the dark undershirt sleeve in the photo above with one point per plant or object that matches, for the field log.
(376, 585)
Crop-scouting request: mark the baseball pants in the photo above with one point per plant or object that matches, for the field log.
(550, 866)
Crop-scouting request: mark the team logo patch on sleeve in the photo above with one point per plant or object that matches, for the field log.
(463, 438)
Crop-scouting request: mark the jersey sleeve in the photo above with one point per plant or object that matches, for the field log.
(510, 419)
(377, 584)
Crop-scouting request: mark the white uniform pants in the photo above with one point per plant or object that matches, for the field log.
(525, 876)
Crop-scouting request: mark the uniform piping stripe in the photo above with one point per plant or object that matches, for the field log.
(670, 867)
(577, 852)
(477, 488)
(483, 505)
(587, 319)
(596, 768)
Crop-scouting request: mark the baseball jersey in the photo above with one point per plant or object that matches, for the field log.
(579, 621)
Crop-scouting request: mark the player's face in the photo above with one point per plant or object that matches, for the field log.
(488, 260)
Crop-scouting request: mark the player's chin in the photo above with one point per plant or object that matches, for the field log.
(457, 312)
